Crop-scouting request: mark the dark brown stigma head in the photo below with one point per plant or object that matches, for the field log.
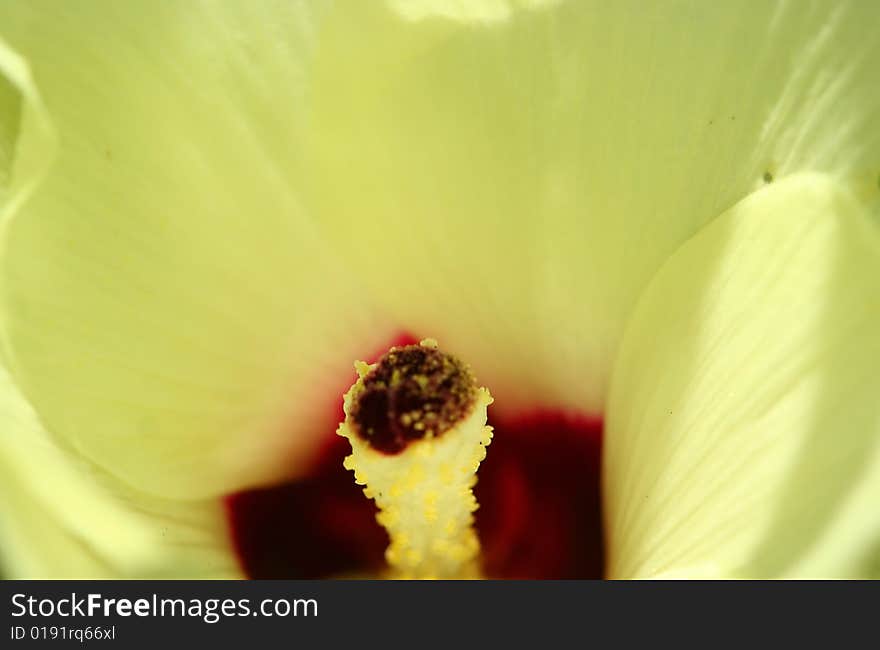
(414, 392)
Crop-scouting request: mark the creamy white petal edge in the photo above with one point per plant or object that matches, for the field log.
(743, 433)
(27, 140)
(167, 305)
(61, 518)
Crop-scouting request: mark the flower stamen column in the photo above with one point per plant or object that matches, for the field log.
(416, 422)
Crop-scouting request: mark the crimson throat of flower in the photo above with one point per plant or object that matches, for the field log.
(538, 491)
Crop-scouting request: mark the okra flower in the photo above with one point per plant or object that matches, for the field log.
(653, 221)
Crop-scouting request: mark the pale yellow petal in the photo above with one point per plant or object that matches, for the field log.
(743, 431)
(168, 306)
(59, 518)
(509, 175)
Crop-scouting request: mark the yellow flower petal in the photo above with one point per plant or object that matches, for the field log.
(27, 142)
(169, 308)
(61, 519)
(472, 11)
(509, 175)
(743, 431)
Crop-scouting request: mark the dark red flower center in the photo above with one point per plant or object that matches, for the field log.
(539, 515)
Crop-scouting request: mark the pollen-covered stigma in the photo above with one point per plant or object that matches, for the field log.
(416, 421)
